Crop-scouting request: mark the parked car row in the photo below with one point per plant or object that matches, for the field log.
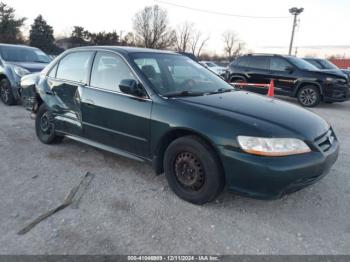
(219, 70)
(165, 109)
(15, 62)
(293, 77)
(327, 66)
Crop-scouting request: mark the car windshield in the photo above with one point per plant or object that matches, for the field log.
(23, 54)
(302, 64)
(176, 75)
(328, 65)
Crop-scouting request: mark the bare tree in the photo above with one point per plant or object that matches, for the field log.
(151, 27)
(198, 42)
(184, 35)
(129, 40)
(233, 46)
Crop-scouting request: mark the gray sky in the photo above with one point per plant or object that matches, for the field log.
(323, 30)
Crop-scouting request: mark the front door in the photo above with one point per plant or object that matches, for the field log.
(65, 82)
(283, 74)
(111, 117)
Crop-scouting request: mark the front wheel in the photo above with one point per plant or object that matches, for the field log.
(309, 96)
(193, 170)
(238, 80)
(6, 93)
(45, 126)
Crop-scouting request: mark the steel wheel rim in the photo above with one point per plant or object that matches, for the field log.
(308, 96)
(4, 92)
(46, 125)
(189, 171)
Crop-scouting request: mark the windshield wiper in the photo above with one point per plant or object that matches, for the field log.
(39, 61)
(184, 93)
(219, 91)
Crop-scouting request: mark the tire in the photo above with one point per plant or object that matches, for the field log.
(45, 127)
(6, 93)
(193, 170)
(309, 96)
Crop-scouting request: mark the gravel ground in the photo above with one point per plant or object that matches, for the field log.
(129, 210)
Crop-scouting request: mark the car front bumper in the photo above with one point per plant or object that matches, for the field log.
(273, 177)
(336, 93)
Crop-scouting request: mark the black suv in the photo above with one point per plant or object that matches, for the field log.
(293, 77)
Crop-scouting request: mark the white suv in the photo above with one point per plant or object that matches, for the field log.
(219, 70)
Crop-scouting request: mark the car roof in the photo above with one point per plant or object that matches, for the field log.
(22, 46)
(124, 49)
(270, 55)
(314, 58)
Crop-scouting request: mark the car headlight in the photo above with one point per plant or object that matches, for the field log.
(20, 71)
(272, 146)
(336, 80)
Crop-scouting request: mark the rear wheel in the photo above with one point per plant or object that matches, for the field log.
(309, 96)
(193, 170)
(6, 93)
(45, 126)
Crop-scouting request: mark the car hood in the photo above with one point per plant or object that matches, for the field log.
(292, 118)
(331, 73)
(30, 66)
(346, 71)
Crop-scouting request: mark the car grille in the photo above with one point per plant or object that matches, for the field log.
(325, 141)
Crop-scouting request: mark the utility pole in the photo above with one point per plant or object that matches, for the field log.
(294, 11)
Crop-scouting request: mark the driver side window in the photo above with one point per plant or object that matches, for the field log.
(108, 71)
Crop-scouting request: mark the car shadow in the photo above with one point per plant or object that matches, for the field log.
(332, 106)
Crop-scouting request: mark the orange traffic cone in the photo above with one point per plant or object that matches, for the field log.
(271, 91)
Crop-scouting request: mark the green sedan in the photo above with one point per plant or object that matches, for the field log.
(167, 110)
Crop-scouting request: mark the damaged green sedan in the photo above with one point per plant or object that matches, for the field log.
(165, 109)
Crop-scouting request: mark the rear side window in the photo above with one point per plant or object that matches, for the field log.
(108, 71)
(242, 61)
(279, 64)
(259, 62)
(75, 67)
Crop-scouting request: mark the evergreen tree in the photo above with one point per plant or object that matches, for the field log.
(10, 26)
(105, 38)
(41, 35)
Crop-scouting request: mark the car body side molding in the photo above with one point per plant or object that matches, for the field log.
(105, 147)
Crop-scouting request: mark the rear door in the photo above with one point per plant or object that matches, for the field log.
(66, 81)
(258, 72)
(111, 117)
(284, 74)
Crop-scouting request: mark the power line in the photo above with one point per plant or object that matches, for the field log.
(221, 13)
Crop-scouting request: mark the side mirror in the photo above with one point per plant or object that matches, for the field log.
(289, 69)
(130, 87)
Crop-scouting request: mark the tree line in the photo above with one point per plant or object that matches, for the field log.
(151, 29)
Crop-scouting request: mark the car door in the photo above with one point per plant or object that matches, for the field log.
(284, 74)
(258, 72)
(111, 117)
(65, 82)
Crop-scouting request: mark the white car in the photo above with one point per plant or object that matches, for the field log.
(219, 70)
